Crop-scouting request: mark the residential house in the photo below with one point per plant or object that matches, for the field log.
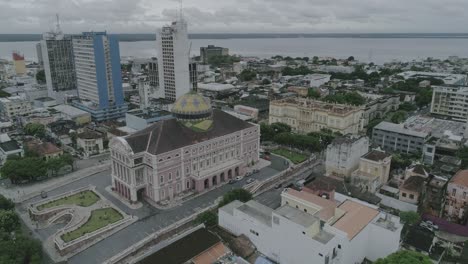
(373, 172)
(90, 142)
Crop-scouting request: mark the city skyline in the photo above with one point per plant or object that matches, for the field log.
(246, 16)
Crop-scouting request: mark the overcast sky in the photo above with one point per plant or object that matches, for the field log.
(238, 16)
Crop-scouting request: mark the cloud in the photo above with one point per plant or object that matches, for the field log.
(34, 16)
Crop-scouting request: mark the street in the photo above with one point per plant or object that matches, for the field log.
(150, 219)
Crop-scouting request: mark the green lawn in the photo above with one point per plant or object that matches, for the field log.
(293, 156)
(99, 218)
(85, 199)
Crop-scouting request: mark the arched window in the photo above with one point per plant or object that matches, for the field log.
(188, 185)
(170, 175)
(161, 179)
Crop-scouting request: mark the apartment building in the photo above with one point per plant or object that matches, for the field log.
(450, 102)
(323, 227)
(306, 115)
(14, 106)
(395, 137)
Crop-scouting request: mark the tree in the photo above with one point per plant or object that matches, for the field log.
(280, 127)
(40, 77)
(398, 117)
(23, 169)
(408, 107)
(236, 194)
(34, 129)
(19, 248)
(405, 257)
(313, 93)
(209, 218)
(315, 60)
(352, 98)
(247, 75)
(5, 203)
(9, 221)
(409, 218)
(351, 58)
(266, 82)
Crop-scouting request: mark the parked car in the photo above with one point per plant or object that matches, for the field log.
(247, 174)
(278, 185)
(43, 194)
(250, 180)
(232, 181)
(255, 171)
(238, 178)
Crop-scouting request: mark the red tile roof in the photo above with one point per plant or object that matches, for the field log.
(461, 178)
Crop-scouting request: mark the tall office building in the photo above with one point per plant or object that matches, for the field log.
(40, 61)
(211, 51)
(99, 77)
(173, 62)
(56, 53)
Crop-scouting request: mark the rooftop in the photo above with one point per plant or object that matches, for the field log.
(414, 183)
(356, 218)
(70, 110)
(89, 135)
(183, 249)
(448, 78)
(297, 216)
(44, 148)
(460, 178)
(170, 134)
(436, 127)
(258, 211)
(10, 146)
(376, 155)
(398, 128)
(327, 206)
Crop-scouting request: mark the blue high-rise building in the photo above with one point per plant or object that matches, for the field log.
(98, 75)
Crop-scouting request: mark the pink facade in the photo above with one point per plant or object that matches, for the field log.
(194, 168)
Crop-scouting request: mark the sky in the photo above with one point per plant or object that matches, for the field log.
(238, 16)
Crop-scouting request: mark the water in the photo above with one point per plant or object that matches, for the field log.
(377, 50)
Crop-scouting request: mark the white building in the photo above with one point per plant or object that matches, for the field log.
(447, 78)
(310, 229)
(316, 80)
(344, 153)
(14, 106)
(450, 101)
(173, 62)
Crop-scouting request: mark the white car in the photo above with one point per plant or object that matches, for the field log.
(250, 180)
(238, 178)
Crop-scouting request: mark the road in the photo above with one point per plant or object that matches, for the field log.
(150, 219)
(272, 197)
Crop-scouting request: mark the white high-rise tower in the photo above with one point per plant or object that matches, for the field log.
(173, 61)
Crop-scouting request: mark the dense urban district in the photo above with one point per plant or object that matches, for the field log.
(222, 158)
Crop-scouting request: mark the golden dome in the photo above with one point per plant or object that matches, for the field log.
(192, 106)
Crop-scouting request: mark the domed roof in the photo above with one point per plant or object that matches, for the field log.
(193, 105)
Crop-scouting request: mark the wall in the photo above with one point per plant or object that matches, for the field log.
(343, 159)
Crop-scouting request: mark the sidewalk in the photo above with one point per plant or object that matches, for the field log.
(20, 193)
